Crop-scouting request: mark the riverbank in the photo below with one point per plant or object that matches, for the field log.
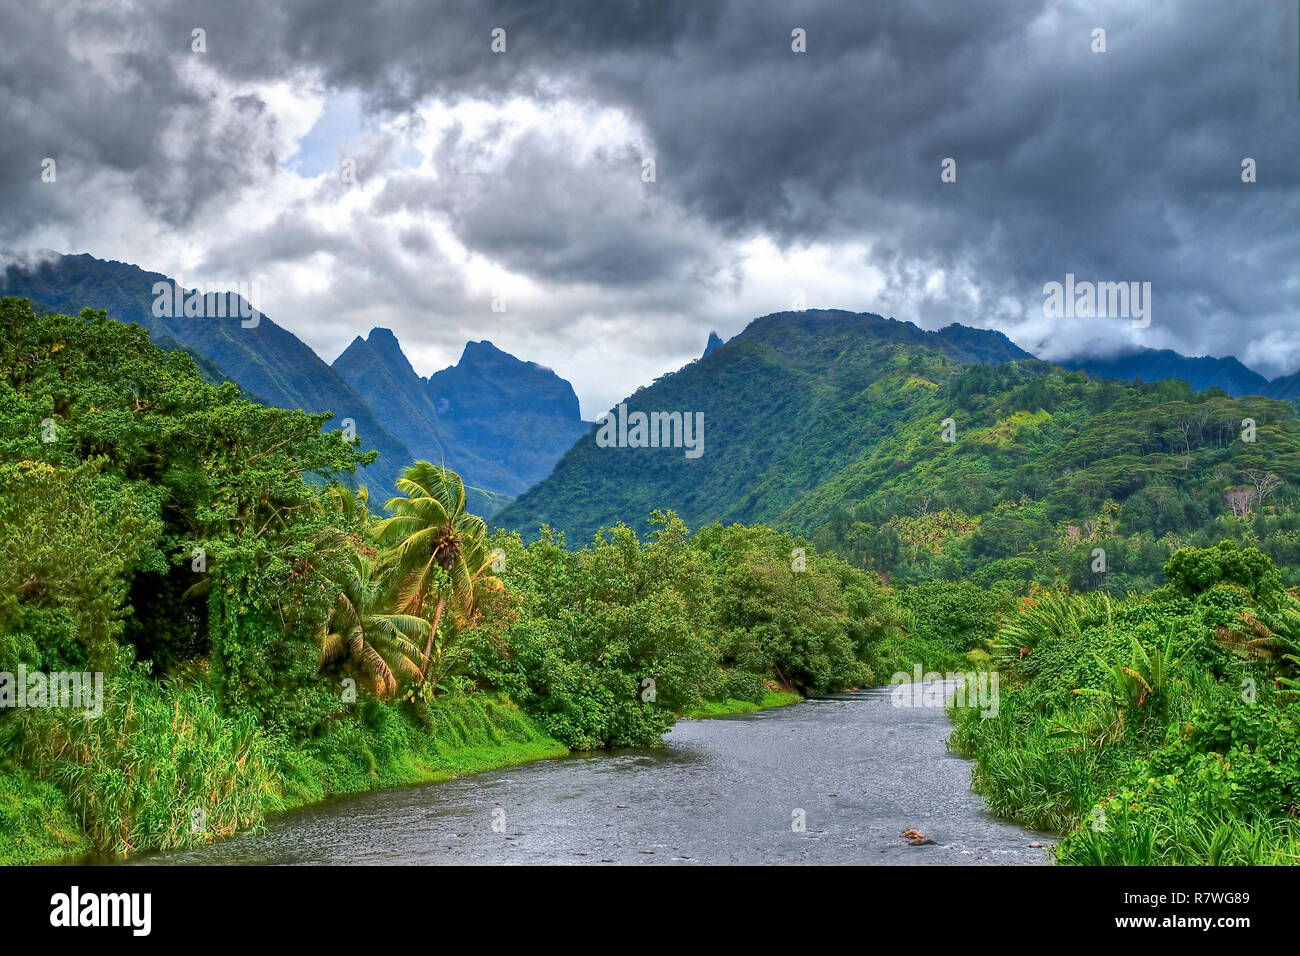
(381, 749)
(1156, 730)
(733, 707)
(36, 822)
(834, 781)
(461, 736)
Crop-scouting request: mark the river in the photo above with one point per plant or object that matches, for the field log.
(726, 790)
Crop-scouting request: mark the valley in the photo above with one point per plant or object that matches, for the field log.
(1106, 563)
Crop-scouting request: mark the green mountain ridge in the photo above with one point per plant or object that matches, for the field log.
(831, 425)
(269, 363)
(802, 371)
(391, 408)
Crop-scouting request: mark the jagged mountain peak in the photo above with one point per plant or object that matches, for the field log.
(384, 346)
(500, 421)
(488, 378)
(484, 353)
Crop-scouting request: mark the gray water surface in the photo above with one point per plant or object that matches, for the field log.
(720, 791)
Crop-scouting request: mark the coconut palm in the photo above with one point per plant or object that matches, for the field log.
(347, 504)
(381, 645)
(349, 518)
(435, 547)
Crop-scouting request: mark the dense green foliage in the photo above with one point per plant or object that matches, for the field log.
(832, 425)
(1148, 729)
(787, 404)
(266, 641)
(607, 644)
(269, 363)
(185, 543)
(952, 621)
(1050, 468)
(499, 422)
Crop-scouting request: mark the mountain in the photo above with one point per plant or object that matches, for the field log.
(871, 438)
(507, 422)
(1201, 372)
(519, 416)
(714, 343)
(982, 346)
(777, 401)
(270, 364)
(379, 372)
(500, 422)
(1285, 388)
(792, 401)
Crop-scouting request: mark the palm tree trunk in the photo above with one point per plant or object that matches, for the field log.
(433, 630)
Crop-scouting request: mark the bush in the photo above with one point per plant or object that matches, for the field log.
(956, 616)
(1193, 570)
(1124, 726)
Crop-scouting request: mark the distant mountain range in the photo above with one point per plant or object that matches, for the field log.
(500, 422)
(1146, 365)
(1201, 372)
(503, 424)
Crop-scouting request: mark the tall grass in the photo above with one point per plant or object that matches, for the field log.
(1031, 771)
(1188, 837)
(35, 821)
(133, 778)
(160, 768)
(386, 747)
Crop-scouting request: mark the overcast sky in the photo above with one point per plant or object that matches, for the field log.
(519, 175)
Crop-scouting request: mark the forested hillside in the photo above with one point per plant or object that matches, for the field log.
(269, 363)
(500, 423)
(787, 403)
(907, 461)
(1047, 467)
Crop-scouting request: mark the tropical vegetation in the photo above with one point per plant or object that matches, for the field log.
(267, 638)
(1158, 728)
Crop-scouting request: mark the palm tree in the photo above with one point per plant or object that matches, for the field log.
(381, 645)
(434, 545)
(349, 505)
(349, 518)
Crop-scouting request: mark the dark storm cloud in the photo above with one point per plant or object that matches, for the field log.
(102, 90)
(543, 211)
(1122, 165)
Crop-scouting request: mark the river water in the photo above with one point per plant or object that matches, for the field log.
(726, 790)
